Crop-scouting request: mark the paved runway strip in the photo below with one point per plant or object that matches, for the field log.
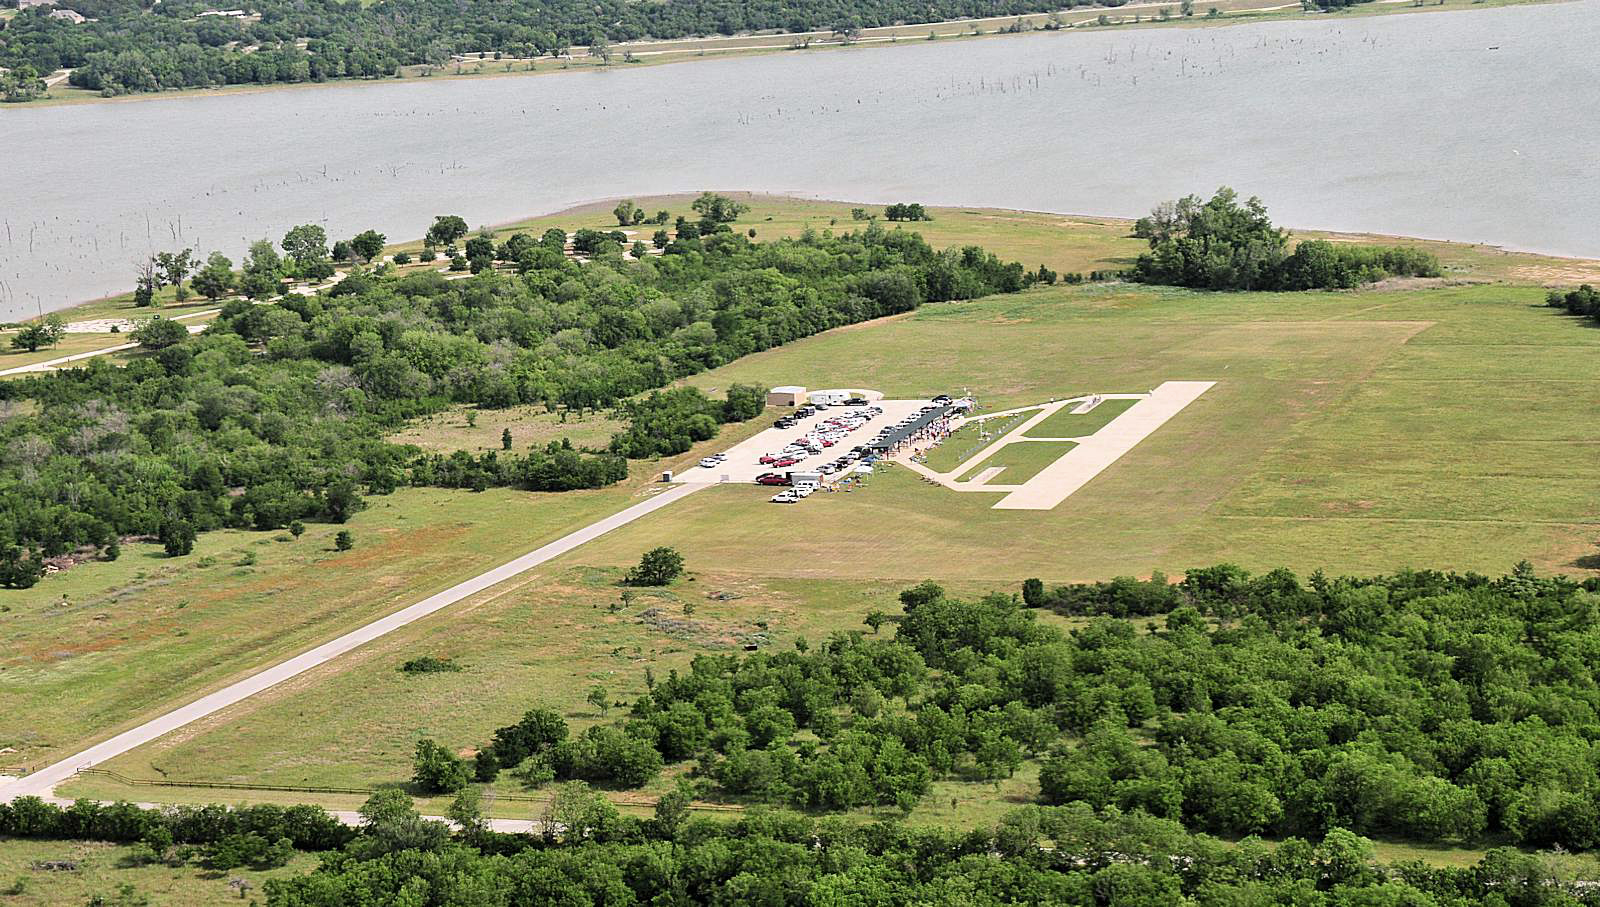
(1056, 482)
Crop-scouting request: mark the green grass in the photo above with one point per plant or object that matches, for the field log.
(92, 647)
(545, 639)
(1352, 431)
(100, 873)
(1439, 426)
(69, 345)
(1063, 424)
(477, 429)
(1020, 461)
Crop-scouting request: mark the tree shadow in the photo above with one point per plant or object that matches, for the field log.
(1587, 561)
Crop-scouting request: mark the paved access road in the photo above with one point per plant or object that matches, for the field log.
(42, 782)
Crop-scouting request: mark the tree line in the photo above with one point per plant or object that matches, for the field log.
(277, 412)
(1437, 707)
(132, 46)
(588, 853)
(1222, 244)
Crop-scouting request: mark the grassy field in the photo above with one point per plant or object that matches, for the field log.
(1351, 431)
(544, 639)
(1443, 424)
(1020, 461)
(475, 429)
(1064, 424)
(69, 345)
(101, 873)
(94, 646)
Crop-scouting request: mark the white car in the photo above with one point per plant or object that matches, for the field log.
(803, 491)
(711, 462)
(784, 497)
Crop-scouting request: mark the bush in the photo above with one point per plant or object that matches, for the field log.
(177, 537)
(436, 770)
(427, 664)
(344, 541)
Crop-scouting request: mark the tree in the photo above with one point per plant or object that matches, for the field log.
(436, 770)
(390, 823)
(627, 213)
(176, 537)
(21, 84)
(344, 540)
(505, 439)
(446, 230)
(658, 567)
(175, 268)
(577, 813)
(307, 247)
(146, 284)
(1033, 592)
(159, 333)
(718, 208)
(39, 333)
(597, 698)
(368, 245)
(215, 279)
(875, 620)
(297, 528)
(263, 271)
(19, 570)
(601, 49)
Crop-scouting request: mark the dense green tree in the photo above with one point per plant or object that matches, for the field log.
(34, 334)
(446, 229)
(436, 770)
(718, 208)
(215, 279)
(657, 567)
(159, 333)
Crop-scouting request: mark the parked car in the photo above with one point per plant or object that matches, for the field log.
(784, 497)
(786, 461)
(772, 478)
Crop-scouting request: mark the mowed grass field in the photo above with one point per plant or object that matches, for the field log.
(1020, 461)
(1443, 427)
(1064, 423)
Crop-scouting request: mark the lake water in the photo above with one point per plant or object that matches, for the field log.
(1405, 124)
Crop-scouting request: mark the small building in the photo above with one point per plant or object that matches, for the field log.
(786, 395)
(69, 15)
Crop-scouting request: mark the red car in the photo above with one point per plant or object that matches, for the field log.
(786, 461)
(769, 458)
(772, 478)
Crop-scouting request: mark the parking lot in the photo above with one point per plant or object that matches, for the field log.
(742, 463)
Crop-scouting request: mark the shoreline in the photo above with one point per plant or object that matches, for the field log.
(662, 52)
(600, 208)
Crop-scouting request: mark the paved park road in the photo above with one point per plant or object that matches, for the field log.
(42, 782)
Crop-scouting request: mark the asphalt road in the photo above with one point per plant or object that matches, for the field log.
(43, 782)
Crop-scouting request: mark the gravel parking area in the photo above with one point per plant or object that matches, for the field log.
(742, 463)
